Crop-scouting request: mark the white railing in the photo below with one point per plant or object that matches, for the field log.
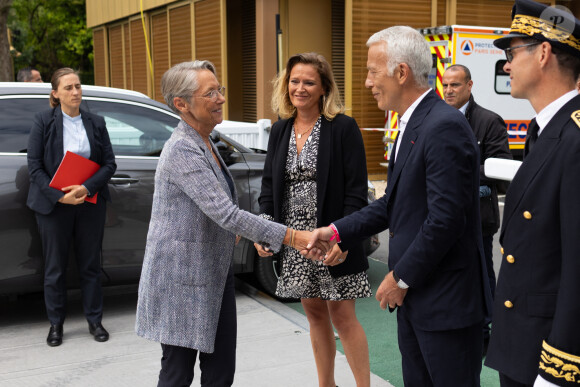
(251, 135)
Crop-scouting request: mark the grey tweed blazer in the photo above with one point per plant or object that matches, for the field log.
(190, 243)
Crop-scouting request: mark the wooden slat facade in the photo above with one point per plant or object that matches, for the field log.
(180, 34)
(337, 60)
(159, 51)
(488, 13)
(208, 33)
(369, 17)
(139, 61)
(100, 55)
(127, 56)
(116, 55)
(249, 97)
(182, 30)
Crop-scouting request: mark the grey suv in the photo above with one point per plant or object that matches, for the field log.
(138, 127)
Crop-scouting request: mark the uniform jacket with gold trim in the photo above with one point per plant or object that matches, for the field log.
(538, 293)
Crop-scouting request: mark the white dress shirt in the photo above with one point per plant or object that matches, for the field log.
(463, 109)
(405, 119)
(547, 113)
(74, 136)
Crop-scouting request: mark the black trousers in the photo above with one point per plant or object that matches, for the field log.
(83, 226)
(217, 368)
(439, 358)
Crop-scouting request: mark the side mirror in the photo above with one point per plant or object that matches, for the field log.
(501, 169)
(215, 136)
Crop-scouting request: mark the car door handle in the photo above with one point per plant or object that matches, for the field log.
(123, 180)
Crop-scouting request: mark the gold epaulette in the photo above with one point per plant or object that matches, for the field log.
(576, 117)
(558, 365)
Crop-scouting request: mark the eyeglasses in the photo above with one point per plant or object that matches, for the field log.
(509, 51)
(213, 95)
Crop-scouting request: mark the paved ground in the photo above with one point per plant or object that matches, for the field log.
(273, 347)
(273, 342)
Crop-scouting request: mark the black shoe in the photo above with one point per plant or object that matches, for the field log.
(54, 338)
(98, 332)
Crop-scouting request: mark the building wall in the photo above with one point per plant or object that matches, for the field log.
(368, 17)
(309, 27)
(101, 12)
(231, 32)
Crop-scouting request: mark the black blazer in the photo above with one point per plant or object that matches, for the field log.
(45, 152)
(341, 184)
(540, 268)
(431, 207)
(491, 135)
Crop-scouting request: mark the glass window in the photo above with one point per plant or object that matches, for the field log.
(433, 73)
(135, 130)
(502, 79)
(16, 117)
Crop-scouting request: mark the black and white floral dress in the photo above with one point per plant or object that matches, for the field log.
(302, 277)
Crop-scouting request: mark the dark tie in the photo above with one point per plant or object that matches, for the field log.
(531, 137)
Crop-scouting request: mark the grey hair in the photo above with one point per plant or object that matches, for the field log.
(181, 81)
(406, 45)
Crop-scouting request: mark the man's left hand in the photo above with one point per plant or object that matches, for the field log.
(389, 293)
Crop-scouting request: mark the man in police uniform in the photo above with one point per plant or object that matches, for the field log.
(536, 326)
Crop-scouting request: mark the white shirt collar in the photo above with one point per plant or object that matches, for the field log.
(406, 117)
(544, 117)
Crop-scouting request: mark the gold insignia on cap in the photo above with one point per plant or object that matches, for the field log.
(576, 117)
(529, 25)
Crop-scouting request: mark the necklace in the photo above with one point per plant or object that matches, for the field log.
(299, 135)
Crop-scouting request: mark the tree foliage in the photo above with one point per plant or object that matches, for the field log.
(50, 34)
(5, 60)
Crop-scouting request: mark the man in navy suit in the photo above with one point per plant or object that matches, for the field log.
(437, 276)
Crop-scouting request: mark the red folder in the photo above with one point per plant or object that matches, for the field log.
(74, 170)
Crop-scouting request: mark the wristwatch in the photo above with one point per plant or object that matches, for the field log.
(400, 283)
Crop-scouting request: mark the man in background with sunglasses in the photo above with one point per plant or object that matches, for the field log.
(536, 325)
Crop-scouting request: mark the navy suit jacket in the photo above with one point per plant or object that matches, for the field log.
(45, 152)
(431, 207)
(341, 179)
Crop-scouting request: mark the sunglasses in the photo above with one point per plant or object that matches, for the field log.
(509, 51)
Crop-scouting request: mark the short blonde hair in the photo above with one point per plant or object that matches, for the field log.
(330, 103)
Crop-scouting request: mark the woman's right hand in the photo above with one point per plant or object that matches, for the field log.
(262, 252)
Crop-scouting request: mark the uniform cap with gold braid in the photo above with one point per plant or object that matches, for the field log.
(546, 24)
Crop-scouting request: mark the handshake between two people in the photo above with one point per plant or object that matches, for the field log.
(317, 245)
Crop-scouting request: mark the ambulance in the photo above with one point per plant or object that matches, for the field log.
(472, 46)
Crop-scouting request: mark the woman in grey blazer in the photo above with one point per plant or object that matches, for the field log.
(186, 294)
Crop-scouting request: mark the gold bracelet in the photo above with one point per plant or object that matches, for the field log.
(292, 239)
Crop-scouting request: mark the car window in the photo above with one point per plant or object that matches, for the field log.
(134, 129)
(16, 117)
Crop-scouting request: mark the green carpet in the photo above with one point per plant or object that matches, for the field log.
(381, 330)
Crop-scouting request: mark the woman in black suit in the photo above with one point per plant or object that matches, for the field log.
(315, 173)
(62, 215)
